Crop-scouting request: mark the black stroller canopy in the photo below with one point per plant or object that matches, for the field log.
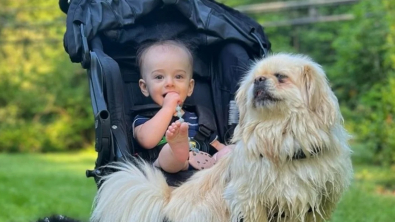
(214, 22)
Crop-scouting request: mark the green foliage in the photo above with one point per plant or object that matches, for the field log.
(363, 77)
(44, 101)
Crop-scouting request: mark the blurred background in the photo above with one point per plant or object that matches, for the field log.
(46, 120)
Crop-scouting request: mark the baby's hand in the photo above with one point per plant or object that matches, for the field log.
(172, 99)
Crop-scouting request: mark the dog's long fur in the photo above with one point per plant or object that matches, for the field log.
(286, 107)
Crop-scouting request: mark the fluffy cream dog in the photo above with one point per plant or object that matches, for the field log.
(291, 161)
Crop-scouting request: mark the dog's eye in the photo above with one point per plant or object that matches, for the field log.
(280, 77)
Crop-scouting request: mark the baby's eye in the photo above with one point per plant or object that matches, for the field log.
(179, 76)
(158, 77)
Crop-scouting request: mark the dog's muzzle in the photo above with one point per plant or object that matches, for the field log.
(260, 91)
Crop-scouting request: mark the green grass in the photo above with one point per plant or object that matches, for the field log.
(33, 186)
(371, 197)
(38, 185)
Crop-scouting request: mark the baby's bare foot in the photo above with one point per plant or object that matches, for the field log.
(177, 138)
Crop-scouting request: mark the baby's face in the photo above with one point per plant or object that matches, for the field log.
(167, 68)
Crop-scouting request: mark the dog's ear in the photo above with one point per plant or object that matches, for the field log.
(320, 98)
(241, 101)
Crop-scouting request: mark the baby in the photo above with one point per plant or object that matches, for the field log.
(166, 69)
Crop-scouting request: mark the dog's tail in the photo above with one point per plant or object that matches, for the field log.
(135, 192)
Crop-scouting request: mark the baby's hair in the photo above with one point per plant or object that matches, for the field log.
(141, 51)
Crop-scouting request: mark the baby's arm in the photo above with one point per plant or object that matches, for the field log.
(217, 145)
(151, 132)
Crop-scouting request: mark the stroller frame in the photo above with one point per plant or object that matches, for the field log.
(84, 42)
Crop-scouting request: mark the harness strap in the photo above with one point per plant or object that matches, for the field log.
(207, 124)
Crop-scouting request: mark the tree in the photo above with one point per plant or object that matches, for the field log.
(364, 79)
(44, 101)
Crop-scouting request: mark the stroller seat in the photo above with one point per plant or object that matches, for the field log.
(104, 35)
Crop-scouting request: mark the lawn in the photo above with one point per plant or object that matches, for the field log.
(38, 185)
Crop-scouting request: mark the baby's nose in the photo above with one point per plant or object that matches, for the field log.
(169, 81)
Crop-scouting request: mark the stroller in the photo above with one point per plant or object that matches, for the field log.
(103, 36)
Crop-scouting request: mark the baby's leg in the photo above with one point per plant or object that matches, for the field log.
(174, 155)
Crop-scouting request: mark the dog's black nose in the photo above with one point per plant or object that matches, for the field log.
(260, 79)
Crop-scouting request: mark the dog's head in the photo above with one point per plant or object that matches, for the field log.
(284, 83)
(286, 95)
